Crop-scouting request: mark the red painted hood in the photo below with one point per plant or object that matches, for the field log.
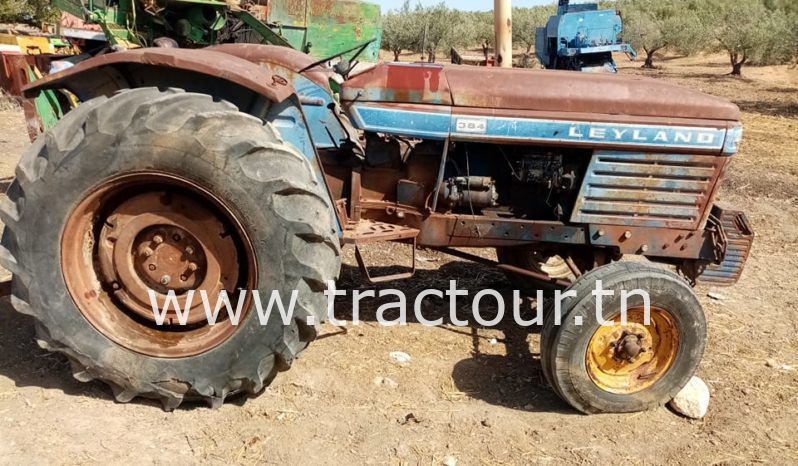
(534, 90)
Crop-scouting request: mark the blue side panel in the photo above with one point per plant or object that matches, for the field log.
(401, 122)
(588, 133)
(288, 120)
(733, 139)
(316, 104)
(433, 125)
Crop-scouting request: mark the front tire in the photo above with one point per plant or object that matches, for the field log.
(167, 190)
(624, 368)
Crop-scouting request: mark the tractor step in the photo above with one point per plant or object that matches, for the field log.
(368, 232)
(739, 237)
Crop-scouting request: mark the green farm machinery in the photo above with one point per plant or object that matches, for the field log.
(317, 27)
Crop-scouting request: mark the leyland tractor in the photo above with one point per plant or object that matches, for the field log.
(249, 167)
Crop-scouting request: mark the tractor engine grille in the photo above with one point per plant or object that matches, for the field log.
(647, 190)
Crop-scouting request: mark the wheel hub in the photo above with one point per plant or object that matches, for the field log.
(628, 346)
(153, 238)
(627, 358)
(169, 258)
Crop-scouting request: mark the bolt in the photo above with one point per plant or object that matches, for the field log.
(151, 267)
(115, 285)
(601, 233)
(189, 250)
(177, 237)
(644, 248)
(627, 234)
(165, 280)
(157, 239)
(148, 252)
(183, 278)
(192, 266)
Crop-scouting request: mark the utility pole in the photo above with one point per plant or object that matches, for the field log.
(503, 26)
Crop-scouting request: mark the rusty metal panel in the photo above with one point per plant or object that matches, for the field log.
(565, 91)
(413, 83)
(207, 62)
(648, 190)
(739, 237)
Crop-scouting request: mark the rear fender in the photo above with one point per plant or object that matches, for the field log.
(257, 90)
(223, 75)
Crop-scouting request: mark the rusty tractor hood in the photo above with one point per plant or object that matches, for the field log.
(544, 91)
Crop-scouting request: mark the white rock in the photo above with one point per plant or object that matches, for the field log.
(400, 357)
(449, 461)
(693, 400)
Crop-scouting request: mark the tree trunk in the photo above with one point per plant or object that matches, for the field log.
(486, 50)
(737, 63)
(649, 63)
(396, 54)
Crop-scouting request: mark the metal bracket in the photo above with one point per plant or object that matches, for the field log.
(385, 278)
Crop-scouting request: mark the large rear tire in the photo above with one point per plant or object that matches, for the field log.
(167, 190)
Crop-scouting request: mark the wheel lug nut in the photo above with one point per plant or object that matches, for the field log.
(148, 252)
(176, 237)
(165, 280)
(151, 267)
(192, 266)
(189, 250)
(157, 239)
(115, 285)
(183, 278)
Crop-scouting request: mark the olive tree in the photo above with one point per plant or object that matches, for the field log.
(35, 11)
(749, 32)
(440, 29)
(400, 31)
(653, 25)
(525, 23)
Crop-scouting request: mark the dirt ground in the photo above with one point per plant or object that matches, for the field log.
(472, 394)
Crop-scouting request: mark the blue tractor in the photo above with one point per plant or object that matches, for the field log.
(582, 38)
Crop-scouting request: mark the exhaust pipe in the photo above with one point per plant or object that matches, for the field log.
(503, 26)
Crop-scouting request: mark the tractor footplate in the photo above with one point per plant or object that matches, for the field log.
(367, 231)
(738, 237)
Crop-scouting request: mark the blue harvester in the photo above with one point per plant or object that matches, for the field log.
(582, 38)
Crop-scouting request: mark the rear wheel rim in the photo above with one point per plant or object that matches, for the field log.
(631, 357)
(155, 232)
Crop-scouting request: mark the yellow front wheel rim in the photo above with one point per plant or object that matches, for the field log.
(629, 357)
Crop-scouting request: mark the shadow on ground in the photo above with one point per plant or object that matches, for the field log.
(514, 380)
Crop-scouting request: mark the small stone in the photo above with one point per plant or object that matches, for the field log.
(772, 363)
(693, 400)
(385, 381)
(449, 461)
(493, 341)
(716, 296)
(486, 423)
(399, 357)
